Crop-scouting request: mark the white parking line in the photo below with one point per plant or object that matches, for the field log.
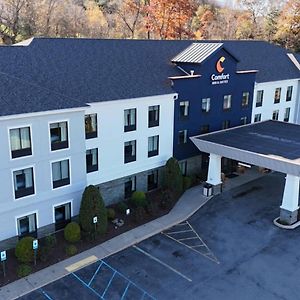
(162, 263)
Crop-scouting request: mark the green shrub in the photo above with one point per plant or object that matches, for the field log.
(23, 270)
(151, 208)
(24, 251)
(92, 205)
(187, 182)
(172, 176)
(139, 214)
(122, 207)
(71, 250)
(50, 241)
(72, 232)
(138, 199)
(111, 214)
(44, 253)
(166, 199)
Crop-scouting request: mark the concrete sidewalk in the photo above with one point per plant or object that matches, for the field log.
(190, 202)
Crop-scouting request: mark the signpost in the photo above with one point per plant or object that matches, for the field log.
(35, 245)
(95, 221)
(127, 211)
(3, 259)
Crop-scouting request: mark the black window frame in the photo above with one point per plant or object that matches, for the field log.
(63, 181)
(184, 108)
(29, 233)
(59, 145)
(130, 127)
(255, 119)
(183, 133)
(60, 224)
(226, 124)
(93, 133)
(129, 186)
(244, 120)
(275, 113)
(89, 158)
(289, 93)
(131, 158)
(152, 121)
(260, 97)
(230, 102)
(26, 151)
(245, 99)
(23, 191)
(207, 102)
(152, 180)
(287, 119)
(155, 151)
(276, 97)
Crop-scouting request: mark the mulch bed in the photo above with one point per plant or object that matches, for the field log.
(58, 253)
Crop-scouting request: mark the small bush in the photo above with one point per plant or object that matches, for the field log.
(166, 199)
(187, 182)
(122, 207)
(111, 214)
(139, 214)
(71, 250)
(44, 253)
(72, 232)
(138, 199)
(24, 251)
(23, 270)
(151, 208)
(50, 241)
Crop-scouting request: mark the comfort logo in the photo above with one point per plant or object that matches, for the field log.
(219, 66)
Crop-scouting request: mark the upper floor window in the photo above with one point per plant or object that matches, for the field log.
(275, 115)
(23, 182)
(60, 173)
(20, 142)
(184, 109)
(153, 142)
(90, 122)
(225, 124)
(129, 151)
(257, 118)
(245, 99)
(277, 95)
(59, 135)
(182, 137)
(227, 102)
(204, 129)
(259, 98)
(205, 105)
(91, 160)
(153, 116)
(287, 114)
(289, 93)
(129, 119)
(243, 120)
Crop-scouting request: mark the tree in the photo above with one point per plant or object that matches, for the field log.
(173, 179)
(92, 205)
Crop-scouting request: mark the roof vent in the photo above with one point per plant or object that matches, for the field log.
(192, 72)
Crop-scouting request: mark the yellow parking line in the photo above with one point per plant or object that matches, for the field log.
(82, 263)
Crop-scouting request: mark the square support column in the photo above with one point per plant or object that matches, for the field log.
(214, 173)
(290, 201)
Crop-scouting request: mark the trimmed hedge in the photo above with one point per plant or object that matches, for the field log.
(92, 205)
(173, 179)
(23, 270)
(138, 199)
(24, 252)
(72, 232)
(71, 250)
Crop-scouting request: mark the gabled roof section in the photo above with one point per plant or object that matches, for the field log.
(197, 53)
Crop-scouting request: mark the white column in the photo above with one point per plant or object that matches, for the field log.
(214, 170)
(290, 200)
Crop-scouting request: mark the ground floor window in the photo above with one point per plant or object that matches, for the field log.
(129, 186)
(287, 114)
(275, 115)
(62, 215)
(27, 225)
(152, 183)
(257, 118)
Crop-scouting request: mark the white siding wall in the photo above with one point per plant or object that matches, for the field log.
(111, 136)
(266, 110)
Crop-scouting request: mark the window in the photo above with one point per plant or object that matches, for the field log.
(275, 115)
(225, 124)
(287, 114)
(227, 102)
(289, 93)
(257, 118)
(129, 120)
(152, 182)
(27, 225)
(259, 98)
(245, 99)
(129, 186)
(60, 173)
(277, 95)
(59, 135)
(153, 142)
(90, 126)
(91, 160)
(62, 215)
(129, 151)
(204, 129)
(243, 120)
(23, 182)
(183, 167)
(182, 137)
(153, 116)
(184, 109)
(206, 105)
(20, 142)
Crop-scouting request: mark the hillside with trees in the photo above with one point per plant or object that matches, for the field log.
(276, 21)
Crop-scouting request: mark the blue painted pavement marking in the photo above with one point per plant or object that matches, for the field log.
(46, 295)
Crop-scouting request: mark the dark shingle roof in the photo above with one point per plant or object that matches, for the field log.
(64, 73)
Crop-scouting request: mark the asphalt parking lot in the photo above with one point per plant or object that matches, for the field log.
(230, 249)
